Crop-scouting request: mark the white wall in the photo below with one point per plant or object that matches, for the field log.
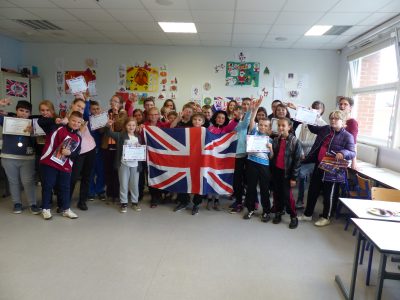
(10, 53)
(191, 66)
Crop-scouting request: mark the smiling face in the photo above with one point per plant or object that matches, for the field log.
(220, 119)
(260, 115)
(45, 111)
(79, 106)
(264, 126)
(75, 122)
(170, 105)
(207, 113)
(131, 127)
(95, 109)
(344, 105)
(245, 105)
(336, 120)
(231, 106)
(138, 115)
(147, 105)
(197, 121)
(283, 127)
(280, 112)
(153, 116)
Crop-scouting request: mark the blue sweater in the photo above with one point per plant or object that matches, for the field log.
(241, 130)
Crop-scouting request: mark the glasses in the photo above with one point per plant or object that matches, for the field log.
(334, 118)
(153, 114)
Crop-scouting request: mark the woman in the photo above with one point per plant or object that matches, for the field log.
(334, 141)
(230, 108)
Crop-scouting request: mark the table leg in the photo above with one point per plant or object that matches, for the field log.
(381, 276)
(346, 294)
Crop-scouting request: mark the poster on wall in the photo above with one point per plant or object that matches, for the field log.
(221, 103)
(242, 74)
(142, 78)
(17, 88)
(88, 74)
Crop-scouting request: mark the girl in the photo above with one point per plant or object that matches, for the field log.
(261, 114)
(118, 115)
(128, 171)
(285, 167)
(230, 108)
(18, 161)
(274, 104)
(139, 116)
(257, 171)
(170, 104)
(335, 141)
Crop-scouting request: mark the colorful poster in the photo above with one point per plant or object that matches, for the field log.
(88, 74)
(142, 78)
(242, 74)
(221, 103)
(17, 88)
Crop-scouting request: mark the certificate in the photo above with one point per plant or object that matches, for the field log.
(77, 85)
(306, 115)
(274, 125)
(16, 126)
(132, 152)
(98, 121)
(257, 143)
(37, 130)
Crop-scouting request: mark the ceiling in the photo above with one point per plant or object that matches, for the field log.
(234, 23)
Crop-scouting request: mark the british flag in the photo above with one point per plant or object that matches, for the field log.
(190, 160)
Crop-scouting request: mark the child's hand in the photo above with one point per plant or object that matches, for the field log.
(5, 101)
(29, 129)
(292, 183)
(83, 127)
(110, 122)
(133, 97)
(291, 105)
(65, 152)
(339, 156)
(269, 146)
(61, 121)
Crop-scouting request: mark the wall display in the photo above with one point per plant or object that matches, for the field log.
(207, 100)
(196, 92)
(16, 88)
(142, 78)
(242, 74)
(88, 74)
(163, 79)
(121, 78)
(221, 103)
(219, 68)
(207, 86)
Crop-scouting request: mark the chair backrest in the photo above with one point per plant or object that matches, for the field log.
(391, 195)
(364, 186)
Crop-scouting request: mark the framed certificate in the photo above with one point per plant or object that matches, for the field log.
(257, 143)
(133, 152)
(37, 130)
(98, 121)
(16, 126)
(306, 115)
(77, 85)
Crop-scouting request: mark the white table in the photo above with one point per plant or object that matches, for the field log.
(359, 208)
(386, 239)
(385, 176)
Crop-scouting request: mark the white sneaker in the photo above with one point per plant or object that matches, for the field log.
(46, 213)
(305, 218)
(322, 222)
(69, 214)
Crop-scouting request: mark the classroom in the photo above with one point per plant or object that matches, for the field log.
(199, 149)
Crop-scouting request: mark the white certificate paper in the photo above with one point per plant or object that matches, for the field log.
(257, 143)
(132, 152)
(37, 130)
(98, 121)
(77, 85)
(274, 125)
(306, 115)
(16, 126)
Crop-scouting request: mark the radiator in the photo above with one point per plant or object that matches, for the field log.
(367, 153)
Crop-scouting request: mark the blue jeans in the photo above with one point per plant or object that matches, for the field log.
(55, 178)
(97, 186)
(304, 173)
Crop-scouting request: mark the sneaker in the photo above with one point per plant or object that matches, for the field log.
(265, 217)
(123, 208)
(17, 208)
(69, 214)
(82, 206)
(35, 210)
(277, 219)
(305, 218)
(294, 222)
(299, 204)
(322, 222)
(195, 210)
(248, 215)
(102, 196)
(91, 198)
(46, 213)
(216, 206)
(136, 207)
(179, 207)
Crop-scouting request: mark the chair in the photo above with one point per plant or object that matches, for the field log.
(381, 194)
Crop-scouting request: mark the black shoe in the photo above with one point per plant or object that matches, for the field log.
(248, 215)
(180, 206)
(82, 206)
(277, 219)
(35, 210)
(265, 217)
(216, 206)
(102, 196)
(195, 210)
(209, 201)
(294, 222)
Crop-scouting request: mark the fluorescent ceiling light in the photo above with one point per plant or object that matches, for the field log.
(318, 30)
(178, 27)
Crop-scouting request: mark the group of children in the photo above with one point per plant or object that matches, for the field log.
(95, 156)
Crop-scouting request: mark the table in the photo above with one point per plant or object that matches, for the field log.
(359, 208)
(382, 175)
(386, 239)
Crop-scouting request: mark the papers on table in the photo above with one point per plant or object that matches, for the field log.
(37, 130)
(257, 143)
(16, 126)
(98, 121)
(274, 125)
(77, 85)
(134, 152)
(306, 115)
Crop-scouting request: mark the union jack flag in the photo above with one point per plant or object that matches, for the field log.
(190, 160)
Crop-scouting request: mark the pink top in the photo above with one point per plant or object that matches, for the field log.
(224, 129)
(88, 142)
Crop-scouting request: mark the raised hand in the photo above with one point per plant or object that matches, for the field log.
(5, 101)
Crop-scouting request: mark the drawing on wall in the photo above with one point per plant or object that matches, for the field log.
(17, 88)
(221, 103)
(242, 74)
(142, 78)
(163, 79)
(207, 100)
(121, 78)
(207, 86)
(219, 68)
(88, 74)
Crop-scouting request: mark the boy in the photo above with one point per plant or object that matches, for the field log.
(207, 111)
(184, 118)
(62, 145)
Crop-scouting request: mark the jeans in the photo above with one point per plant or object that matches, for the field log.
(52, 178)
(128, 181)
(20, 171)
(305, 171)
(97, 176)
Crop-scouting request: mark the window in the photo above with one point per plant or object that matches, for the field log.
(374, 83)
